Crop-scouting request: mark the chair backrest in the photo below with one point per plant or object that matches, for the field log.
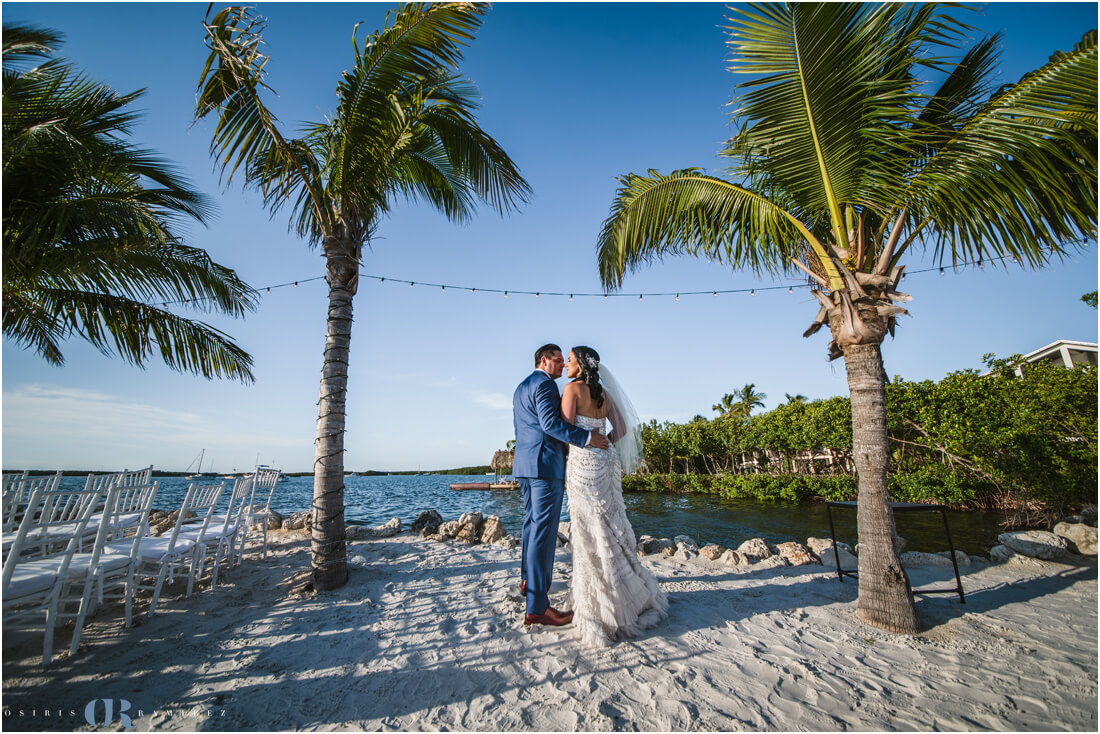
(100, 482)
(204, 498)
(133, 478)
(264, 480)
(128, 501)
(63, 510)
(200, 500)
(136, 499)
(14, 477)
(18, 497)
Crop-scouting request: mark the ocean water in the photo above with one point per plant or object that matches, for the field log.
(707, 519)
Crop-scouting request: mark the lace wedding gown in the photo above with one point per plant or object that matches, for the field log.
(614, 595)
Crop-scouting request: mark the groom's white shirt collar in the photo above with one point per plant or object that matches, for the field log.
(540, 369)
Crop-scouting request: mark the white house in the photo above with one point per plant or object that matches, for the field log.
(1064, 353)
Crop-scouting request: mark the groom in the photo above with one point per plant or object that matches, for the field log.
(539, 465)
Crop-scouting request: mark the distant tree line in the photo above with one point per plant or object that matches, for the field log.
(970, 440)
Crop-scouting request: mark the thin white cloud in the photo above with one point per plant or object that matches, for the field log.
(494, 401)
(46, 426)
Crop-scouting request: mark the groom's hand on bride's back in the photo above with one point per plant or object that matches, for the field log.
(598, 440)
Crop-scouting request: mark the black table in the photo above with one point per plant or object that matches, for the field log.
(901, 507)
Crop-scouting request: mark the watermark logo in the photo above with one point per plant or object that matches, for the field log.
(91, 710)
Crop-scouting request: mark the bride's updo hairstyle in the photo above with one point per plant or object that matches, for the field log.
(589, 361)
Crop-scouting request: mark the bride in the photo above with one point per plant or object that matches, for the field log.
(614, 595)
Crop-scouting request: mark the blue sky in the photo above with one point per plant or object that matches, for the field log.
(577, 94)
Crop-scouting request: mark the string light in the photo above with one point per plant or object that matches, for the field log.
(572, 296)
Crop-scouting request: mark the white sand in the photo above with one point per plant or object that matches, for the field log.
(426, 637)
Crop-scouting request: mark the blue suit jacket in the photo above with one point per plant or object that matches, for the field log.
(541, 433)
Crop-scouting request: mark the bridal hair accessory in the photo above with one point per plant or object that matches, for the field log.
(629, 446)
(588, 359)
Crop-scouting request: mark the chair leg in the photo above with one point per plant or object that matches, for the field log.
(51, 621)
(128, 593)
(156, 589)
(265, 538)
(85, 603)
(197, 558)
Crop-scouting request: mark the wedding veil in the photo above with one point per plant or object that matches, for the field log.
(629, 446)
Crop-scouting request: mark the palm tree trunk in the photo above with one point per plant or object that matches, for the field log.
(329, 547)
(885, 597)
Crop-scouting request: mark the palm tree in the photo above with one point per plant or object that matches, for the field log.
(747, 399)
(89, 247)
(844, 163)
(798, 398)
(725, 406)
(403, 129)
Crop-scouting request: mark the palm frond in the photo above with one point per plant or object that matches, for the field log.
(690, 213)
(1019, 177)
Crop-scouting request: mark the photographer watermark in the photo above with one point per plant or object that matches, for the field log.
(101, 712)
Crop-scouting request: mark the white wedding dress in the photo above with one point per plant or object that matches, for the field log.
(613, 594)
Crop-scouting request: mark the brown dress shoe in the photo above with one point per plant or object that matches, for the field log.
(523, 586)
(551, 617)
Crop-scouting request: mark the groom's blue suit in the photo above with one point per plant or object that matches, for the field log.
(539, 465)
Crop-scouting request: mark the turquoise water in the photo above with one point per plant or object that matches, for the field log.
(707, 519)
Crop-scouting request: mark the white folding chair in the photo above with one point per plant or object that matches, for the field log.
(18, 503)
(159, 555)
(32, 585)
(221, 534)
(129, 478)
(264, 480)
(110, 575)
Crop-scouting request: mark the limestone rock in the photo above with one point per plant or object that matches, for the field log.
(1004, 554)
(773, 561)
(797, 554)
(1081, 537)
(469, 527)
(818, 545)
(1035, 544)
(646, 544)
(492, 530)
(686, 547)
(167, 521)
(299, 521)
(357, 532)
(848, 560)
(274, 520)
(711, 552)
(917, 558)
(1000, 554)
(732, 558)
(756, 549)
(449, 529)
(390, 529)
(667, 549)
(1088, 515)
(508, 541)
(426, 523)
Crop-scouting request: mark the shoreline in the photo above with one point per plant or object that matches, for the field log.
(428, 635)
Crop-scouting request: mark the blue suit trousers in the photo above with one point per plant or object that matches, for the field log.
(541, 513)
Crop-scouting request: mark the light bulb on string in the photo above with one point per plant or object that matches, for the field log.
(791, 289)
(753, 292)
(570, 297)
(677, 296)
(715, 294)
(505, 294)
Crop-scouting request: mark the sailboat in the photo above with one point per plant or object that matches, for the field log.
(198, 472)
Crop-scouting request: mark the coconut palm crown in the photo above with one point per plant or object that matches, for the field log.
(403, 129)
(90, 243)
(846, 159)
